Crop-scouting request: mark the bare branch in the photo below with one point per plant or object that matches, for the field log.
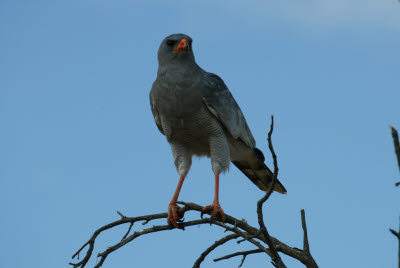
(239, 228)
(154, 229)
(395, 137)
(240, 253)
(310, 262)
(212, 247)
(306, 246)
(123, 220)
(129, 230)
(396, 234)
(237, 224)
(275, 256)
(122, 215)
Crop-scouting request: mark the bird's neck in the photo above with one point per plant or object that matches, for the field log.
(178, 70)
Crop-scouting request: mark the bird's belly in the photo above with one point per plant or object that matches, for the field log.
(193, 130)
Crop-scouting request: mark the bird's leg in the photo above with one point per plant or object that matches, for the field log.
(173, 208)
(215, 208)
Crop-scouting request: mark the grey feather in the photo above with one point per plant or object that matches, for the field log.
(222, 105)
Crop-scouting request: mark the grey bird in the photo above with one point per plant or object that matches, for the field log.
(198, 115)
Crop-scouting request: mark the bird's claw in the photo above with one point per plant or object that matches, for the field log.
(174, 217)
(214, 209)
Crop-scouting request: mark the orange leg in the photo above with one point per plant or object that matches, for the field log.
(173, 208)
(215, 208)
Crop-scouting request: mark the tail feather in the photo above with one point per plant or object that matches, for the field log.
(256, 170)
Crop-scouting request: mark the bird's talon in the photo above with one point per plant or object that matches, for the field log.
(214, 210)
(173, 216)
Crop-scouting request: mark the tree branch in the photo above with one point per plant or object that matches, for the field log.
(247, 230)
(306, 246)
(397, 235)
(275, 256)
(239, 228)
(395, 137)
(240, 253)
(212, 247)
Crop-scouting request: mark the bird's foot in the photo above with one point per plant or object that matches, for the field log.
(174, 217)
(214, 209)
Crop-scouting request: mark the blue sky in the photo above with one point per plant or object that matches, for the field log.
(78, 141)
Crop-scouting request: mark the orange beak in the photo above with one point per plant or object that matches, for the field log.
(183, 44)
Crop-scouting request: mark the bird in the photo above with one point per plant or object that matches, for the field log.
(198, 115)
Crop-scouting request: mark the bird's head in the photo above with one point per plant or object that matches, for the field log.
(176, 48)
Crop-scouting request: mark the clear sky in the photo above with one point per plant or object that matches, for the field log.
(78, 140)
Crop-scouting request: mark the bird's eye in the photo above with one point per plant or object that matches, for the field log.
(170, 42)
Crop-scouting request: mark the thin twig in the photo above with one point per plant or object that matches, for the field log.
(309, 260)
(122, 215)
(395, 137)
(275, 256)
(240, 253)
(129, 230)
(397, 235)
(306, 245)
(154, 229)
(212, 247)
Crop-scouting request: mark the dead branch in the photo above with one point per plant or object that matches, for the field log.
(395, 137)
(238, 228)
(276, 259)
(397, 235)
(306, 246)
(212, 247)
(240, 253)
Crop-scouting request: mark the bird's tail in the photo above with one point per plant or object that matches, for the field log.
(256, 170)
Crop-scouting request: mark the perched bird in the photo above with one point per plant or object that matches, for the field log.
(198, 115)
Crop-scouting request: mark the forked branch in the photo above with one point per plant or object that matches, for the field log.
(258, 237)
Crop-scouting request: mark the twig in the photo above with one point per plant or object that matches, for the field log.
(395, 137)
(275, 256)
(122, 215)
(397, 235)
(240, 253)
(306, 246)
(310, 262)
(129, 230)
(212, 247)
(91, 241)
(154, 229)
(246, 236)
